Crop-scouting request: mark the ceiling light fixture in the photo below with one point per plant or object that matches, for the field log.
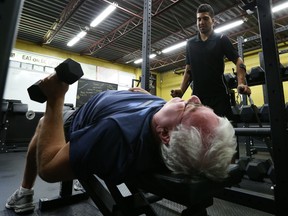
(174, 47)
(140, 60)
(104, 14)
(74, 40)
(279, 7)
(229, 26)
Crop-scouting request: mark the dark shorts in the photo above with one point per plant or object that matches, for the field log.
(67, 119)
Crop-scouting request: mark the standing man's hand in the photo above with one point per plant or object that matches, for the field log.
(244, 89)
(176, 93)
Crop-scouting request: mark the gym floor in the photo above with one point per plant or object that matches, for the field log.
(11, 171)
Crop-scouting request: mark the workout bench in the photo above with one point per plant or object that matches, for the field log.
(195, 195)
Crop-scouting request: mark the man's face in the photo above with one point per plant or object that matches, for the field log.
(204, 22)
(189, 113)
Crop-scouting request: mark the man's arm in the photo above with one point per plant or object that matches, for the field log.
(52, 151)
(232, 54)
(242, 86)
(184, 84)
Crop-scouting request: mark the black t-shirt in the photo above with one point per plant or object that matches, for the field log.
(206, 59)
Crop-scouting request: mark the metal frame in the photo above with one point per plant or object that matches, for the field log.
(66, 197)
(9, 16)
(146, 44)
(127, 27)
(278, 120)
(248, 198)
(276, 103)
(66, 14)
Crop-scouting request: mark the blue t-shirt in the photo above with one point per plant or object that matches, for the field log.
(111, 136)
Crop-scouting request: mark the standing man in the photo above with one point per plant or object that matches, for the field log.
(205, 54)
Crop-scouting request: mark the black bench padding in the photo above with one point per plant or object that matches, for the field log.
(195, 195)
(184, 190)
(19, 108)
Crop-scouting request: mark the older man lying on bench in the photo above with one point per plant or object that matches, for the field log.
(118, 135)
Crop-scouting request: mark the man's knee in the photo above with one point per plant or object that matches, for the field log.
(40, 122)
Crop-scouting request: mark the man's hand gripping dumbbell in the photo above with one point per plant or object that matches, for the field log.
(68, 72)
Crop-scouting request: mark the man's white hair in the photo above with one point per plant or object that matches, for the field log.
(186, 152)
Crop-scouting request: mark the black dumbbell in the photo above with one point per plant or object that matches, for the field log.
(236, 113)
(264, 113)
(68, 71)
(257, 169)
(256, 75)
(243, 162)
(247, 114)
(271, 174)
(230, 80)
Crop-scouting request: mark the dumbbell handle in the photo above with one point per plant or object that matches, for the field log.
(241, 89)
(250, 100)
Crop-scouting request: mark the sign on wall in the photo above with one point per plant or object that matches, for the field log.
(88, 88)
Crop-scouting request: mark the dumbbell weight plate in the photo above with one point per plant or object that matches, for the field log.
(30, 114)
(35, 93)
(69, 71)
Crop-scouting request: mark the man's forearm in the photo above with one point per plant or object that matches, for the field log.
(184, 85)
(241, 78)
(51, 132)
(186, 80)
(241, 72)
(242, 87)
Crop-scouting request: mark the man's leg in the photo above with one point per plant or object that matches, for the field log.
(47, 149)
(30, 171)
(22, 199)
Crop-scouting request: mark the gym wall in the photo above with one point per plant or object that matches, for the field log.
(27, 58)
(57, 53)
